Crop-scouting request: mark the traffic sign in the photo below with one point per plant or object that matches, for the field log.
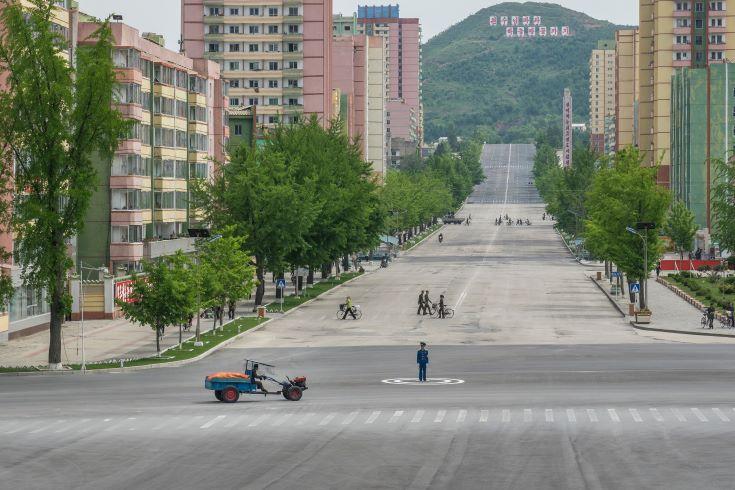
(617, 274)
(635, 288)
(281, 283)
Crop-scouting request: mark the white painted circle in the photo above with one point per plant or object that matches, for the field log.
(429, 381)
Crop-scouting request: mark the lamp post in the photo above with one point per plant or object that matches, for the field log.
(645, 265)
(198, 342)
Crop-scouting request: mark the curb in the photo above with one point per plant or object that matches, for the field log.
(707, 334)
(614, 303)
(423, 239)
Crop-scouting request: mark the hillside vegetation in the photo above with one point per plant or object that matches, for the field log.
(476, 80)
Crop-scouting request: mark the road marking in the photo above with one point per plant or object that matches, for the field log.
(571, 416)
(506, 416)
(613, 415)
(327, 419)
(656, 415)
(46, 427)
(213, 421)
(417, 417)
(549, 415)
(698, 413)
(257, 421)
(440, 416)
(634, 413)
(678, 415)
(721, 415)
(305, 418)
(396, 415)
(527, 415)
(280, 421)
(592, 415)
(484, 415)
(350, 418)
(461, 416)
(373, 417)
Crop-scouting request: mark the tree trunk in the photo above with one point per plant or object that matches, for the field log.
(56, 321)
(221, 315)
(310, 277)
(345, 263)
(326, 270)
(260, 290)
(158, 340)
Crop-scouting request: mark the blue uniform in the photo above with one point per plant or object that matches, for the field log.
(422, 359)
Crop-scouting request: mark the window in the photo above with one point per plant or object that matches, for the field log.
(716, 22)
(272, 11)
(163, 105)
(130, 199)
(717, 6)
(215, 11)
(254, 29)
(293, 65)
(181, 168)
(254, 65)
(272, 119)
(134, 133)
(128, 93)
(163, 74)
(272, 83)
(273, 47)
(181, 108)
(197, 85)
(128, 234)
(145, 134)
(234, 66)
(238, 129)
(235, 48)
(715, 55)
(126, 58)
(254, 83)
(164, 168)
(254, 11)
(198, 113)
(716, 39)
(234, 12)
(293, 47)
(273, 65)
(213, 48)
(679, 56)
(253, 101)
(293, 83)
(699, 24)
(698, 40)
(198, 142)
(198, 170)
(293, 11)
(234, 29)
(130, 164)
(182, 200)
(163, 137)
(234, 101)
(253, 48)
(682, 6)
(293, 29)
(182, 79)
(293, 101)
(699, 6)
(147, 68)
(273, 101)
(682, 39)
(215, 29)
(180, 139)
(273, 29)
(164, 199)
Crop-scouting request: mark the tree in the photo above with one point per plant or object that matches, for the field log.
(681, 227)
(228, 275)
(623, 194)
(723, 205)
(53, 118)
(163, 296)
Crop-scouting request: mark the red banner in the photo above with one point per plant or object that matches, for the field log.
(123, 290)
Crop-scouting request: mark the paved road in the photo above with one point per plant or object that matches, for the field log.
(586, 403)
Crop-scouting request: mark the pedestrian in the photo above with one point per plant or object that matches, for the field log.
(731, 313)
(427, 302)
(441, 306)
(231, 310)
(421, 302)
(348, 309)
(711, 316)
(658, 269)
(422, 359)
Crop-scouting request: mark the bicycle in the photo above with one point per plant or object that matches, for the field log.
(448, 312)
(355, 309)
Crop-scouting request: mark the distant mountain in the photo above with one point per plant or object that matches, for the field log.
(476, 79)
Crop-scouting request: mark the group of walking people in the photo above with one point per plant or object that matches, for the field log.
(508, 221)
(425, 304)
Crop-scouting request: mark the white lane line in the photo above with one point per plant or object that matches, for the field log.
(209, 424)
(721, 415)
(350, 418)
(549, 415)
(678, 415)
(698, 413)
(506, 416)
(527, 415)
(44, 428)
(613, 415)
(461, 416)
(280, 421)
(484, 415)
(327, 419)
(440, 416)
(258, 421)
(592, 415)
(306, 417)
(571, 416)
(396, 416)
(417, 417)
(656, 414)
(373, 417)
(634, 413)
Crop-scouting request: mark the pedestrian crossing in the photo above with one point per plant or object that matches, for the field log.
(370, 419)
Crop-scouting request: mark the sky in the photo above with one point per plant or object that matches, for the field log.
(163, 16)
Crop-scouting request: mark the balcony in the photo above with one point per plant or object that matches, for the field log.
(161, 248)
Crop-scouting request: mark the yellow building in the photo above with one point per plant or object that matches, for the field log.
(627, 88)
(602, 97)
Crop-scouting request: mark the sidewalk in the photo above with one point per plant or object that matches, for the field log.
(670, 312)
(118, 339)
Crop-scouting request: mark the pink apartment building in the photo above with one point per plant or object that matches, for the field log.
(275, 55)
(349, 76)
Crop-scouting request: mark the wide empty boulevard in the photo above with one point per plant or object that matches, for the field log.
(537, 383)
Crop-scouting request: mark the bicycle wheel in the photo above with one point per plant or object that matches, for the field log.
(340, 313)
(448, 313)
(358, 314)
(434, 312)
(703, 321)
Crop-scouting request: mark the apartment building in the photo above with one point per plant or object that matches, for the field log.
(405, 113)
(602, 97)
(675, 34)
(702, 124)
(274, 54)
(28, 311)
(627, 88)
(140, 209)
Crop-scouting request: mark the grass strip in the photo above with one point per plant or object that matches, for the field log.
(290, 302)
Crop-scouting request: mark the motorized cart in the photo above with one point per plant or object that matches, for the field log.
(227, 386)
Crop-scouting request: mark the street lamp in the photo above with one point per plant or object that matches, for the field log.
(198, 342)
(645, 265)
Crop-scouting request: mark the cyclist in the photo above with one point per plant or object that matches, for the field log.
(349, 309)
(711, 316)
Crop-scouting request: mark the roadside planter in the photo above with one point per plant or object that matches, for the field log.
(643, 316)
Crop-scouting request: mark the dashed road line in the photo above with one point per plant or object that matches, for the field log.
(698, 413)
(440, 416)
(461, 416)
(327, 419)
(679, 416)
(613, 415)
(373, 417)
(592, 415)
(656, 414)
(209, 424)
(484, 415)
(571, 416)
(636, 416)
(417, 417)
(721, 415)
(549, 415)
(506, 416)
(350, 418)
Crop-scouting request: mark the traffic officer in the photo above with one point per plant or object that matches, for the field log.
(422, 359)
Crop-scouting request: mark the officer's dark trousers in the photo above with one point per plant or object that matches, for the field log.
(422, 372)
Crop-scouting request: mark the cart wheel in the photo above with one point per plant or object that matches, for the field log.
(218, 394)
(230, 395)
(294, 393)
(449, 313)
(285, 393)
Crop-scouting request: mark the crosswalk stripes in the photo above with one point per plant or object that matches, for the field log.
(373, 417)
(305, 418)
(281, 420)
(396, 416)
(209, 424)
(678, 415)
(440, 416)
(417, 417)
(327, 419)
(698, 413)
(461, 416)
(549, 415)
(636, 416)
(484, 415)
(506, 416)
(592, 415)
(571, 416)
(350, 418)
(613, 415)
(257, 421)
(721, 415)
(527, 415)
(656, 415)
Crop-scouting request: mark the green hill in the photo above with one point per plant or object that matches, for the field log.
(476, 79)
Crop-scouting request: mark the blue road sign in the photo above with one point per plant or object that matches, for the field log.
(281, 283)
(616, 274)
(635, 288)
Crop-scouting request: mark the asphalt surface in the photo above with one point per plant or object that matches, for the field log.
(565, 412)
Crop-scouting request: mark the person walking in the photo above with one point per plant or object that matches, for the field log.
(348, 309)
(421, 303)
(422, 359)
(658, 269)
(441, 306)
(711, 316)
(427, 302)
(731, 315)
(231, 310)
